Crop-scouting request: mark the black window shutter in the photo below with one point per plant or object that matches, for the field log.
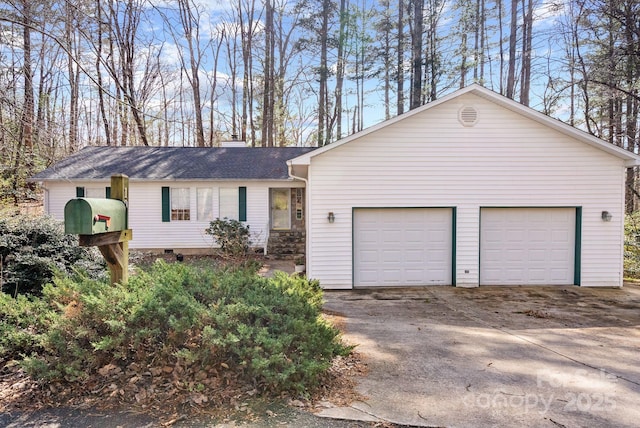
(79, 192)
(166, 205)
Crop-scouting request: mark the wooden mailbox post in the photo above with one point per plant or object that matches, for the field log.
(104, 223)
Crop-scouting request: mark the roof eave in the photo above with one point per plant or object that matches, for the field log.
(150, 180)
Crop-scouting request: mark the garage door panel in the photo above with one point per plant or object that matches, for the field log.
(414, 256)
(510, 236)
(369, 236)
(414, 275)
(537, 255)
(412, 246)
(527, 246)
(513, 275)
(390, 235)
(561, 256)
(368, 275)
(368, 257)
(439, 236)
(439, 256)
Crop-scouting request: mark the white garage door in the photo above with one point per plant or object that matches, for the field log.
(402, 246)
(527, 246)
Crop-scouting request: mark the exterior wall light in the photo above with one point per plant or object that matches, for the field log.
(331, 217)
(606, 216)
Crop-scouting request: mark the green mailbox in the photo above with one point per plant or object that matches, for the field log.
(91, 216)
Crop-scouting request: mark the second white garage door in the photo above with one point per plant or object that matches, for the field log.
(527, 246)
(402, 246)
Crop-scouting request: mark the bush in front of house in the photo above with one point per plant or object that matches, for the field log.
(632, 245)
(231, 235)
(33, 248)
(267, 331)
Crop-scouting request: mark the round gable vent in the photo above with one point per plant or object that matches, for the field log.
(468, 116)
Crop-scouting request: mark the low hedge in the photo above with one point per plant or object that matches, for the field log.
(268, 330)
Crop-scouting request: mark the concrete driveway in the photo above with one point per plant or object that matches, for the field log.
(495, 356)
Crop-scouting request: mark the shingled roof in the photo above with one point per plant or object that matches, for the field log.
(174, 163)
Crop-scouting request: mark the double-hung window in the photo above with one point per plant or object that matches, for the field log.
(204, 204)
(233, 203)
(176, 203)
(180, 203)
(93, 192)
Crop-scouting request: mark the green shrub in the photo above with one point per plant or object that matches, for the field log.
(22, 321)
(632, 245)
(33, 248)
(267, 330)
(231, 235)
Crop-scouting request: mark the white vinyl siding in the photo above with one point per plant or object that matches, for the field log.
(145, 202)
(430, 159)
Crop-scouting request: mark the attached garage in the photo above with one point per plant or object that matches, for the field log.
(402, 246)
(506, 196)
(528, 246)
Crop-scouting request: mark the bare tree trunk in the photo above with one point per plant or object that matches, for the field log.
(500, 35)
(324, 72)
(267, 96)
(342, 36)
(416, 54)
(73, 75)
(463, 63)
(247, 32)
(527, 36)
(387, 60)
(101, 101)
(124, 32)
(26, 126)
(482, 23)
(214, 86)
(190, 26)
(513, 34)
(433, 54)
(400, 61)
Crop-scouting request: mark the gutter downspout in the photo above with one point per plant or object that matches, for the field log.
(306, 209)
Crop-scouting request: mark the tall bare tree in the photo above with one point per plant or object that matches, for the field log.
(190, 21)
(513, 38)
(417, 30)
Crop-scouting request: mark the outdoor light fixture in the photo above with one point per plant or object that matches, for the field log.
(606, 216)
(331, 217)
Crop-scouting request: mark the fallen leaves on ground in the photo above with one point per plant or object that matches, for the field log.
(169, 392)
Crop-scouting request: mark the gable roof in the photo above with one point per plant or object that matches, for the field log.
(631, 159)
(174, 163)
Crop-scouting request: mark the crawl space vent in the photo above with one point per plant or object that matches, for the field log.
(468, 116)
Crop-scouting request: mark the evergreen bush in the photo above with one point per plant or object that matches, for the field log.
(268, 330)
(231, 235)
(33, 248)
(632, 245)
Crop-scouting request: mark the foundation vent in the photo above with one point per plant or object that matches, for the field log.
(468, 116)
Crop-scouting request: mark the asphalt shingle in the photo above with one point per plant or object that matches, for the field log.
(174, 163)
